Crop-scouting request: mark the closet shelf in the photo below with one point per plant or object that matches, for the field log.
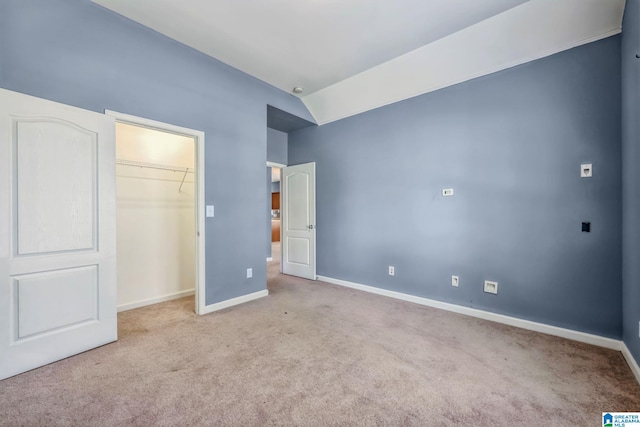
(153, 166)
(157, 166)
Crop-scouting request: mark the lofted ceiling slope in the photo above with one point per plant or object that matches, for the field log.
(351, 56)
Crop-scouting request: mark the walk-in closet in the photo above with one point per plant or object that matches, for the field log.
(156, 243)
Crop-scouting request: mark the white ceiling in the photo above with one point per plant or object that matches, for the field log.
(344, 49)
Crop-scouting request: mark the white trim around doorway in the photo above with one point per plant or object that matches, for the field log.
(275, 165)
(200, 306)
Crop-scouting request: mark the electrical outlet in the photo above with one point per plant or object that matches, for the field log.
(455, 281)
(490, 287)
(447, 191)
(392, 270)
(586, 170)
(249, 273)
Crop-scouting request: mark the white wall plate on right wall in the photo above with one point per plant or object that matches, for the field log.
(491, 287)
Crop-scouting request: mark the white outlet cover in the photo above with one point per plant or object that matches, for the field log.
(586, 170)
(455, 281)
(490, 287)
(249, 273)
(210, 211)
(392, 270)
(447, 191)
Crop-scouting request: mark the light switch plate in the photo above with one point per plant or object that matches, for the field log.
(586, 170)
(447, 191)
(210, 211)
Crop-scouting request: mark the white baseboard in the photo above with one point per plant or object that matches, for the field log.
(155, 300)
(631, 361)
(269, 259)
(487, 315)
(234, 301)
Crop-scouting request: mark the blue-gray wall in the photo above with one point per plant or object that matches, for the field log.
(78, 53)
(275, 187)
(511, 145)
(631, 175)
(277, 146)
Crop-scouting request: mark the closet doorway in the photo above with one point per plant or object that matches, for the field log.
(159, 195)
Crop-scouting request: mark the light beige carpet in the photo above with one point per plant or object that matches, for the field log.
(317, 354)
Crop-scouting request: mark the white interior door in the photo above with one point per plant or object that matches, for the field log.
(57, 232)
(298, 216)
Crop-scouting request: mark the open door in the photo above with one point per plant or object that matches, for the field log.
(298, 218)
(57, 232)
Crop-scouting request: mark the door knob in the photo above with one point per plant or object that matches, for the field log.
(311, 227)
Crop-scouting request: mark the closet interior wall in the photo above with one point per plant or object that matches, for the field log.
(155, 216)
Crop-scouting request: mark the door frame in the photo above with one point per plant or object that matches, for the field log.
(279, 166)
(198, 136)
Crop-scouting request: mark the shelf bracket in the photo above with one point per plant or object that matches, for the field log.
(183, 177)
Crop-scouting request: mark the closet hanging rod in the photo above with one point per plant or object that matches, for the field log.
(154, 166)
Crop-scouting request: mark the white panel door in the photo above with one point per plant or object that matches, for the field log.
(298, 216)
(57, 232)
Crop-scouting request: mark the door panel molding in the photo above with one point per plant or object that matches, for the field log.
(66, 210)
(75, 290)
